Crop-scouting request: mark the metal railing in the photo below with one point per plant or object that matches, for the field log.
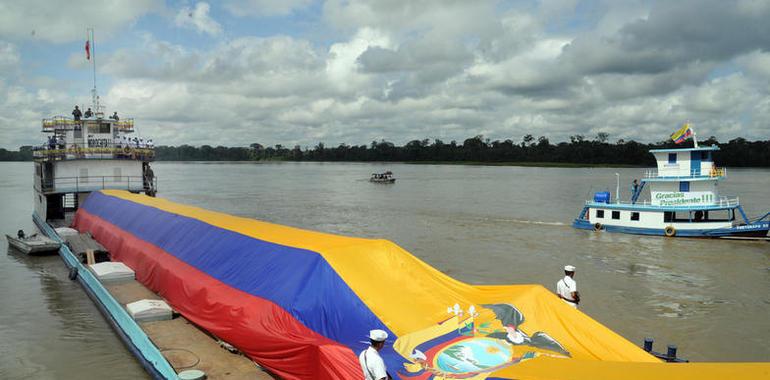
(101, 151)
(63, 123)
(694, 173)
(721, 202)
(92, 183)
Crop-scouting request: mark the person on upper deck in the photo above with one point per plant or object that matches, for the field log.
(115, 116)
(77, 114)
(89, 113)
(566, 288)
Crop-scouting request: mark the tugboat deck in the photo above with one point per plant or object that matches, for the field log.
(184, 345)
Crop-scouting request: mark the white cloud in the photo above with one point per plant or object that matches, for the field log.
(9, 57)
(242, 8)
(64, 21)
(404, 70)
(198, 19)
(342, 62)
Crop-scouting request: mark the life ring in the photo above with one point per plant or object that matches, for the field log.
(598, 226)
(670, 231)
(126, 151)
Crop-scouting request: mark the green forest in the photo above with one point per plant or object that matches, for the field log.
(473, 150)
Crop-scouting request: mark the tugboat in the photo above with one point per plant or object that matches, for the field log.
(684, 200)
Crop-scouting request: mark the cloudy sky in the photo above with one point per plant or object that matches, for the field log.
(302, 72)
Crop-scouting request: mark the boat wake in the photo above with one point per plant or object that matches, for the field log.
(524, 221)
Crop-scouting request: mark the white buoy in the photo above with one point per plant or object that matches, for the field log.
(192, 374)
(66, 231)
(149, 310)
(111, 271)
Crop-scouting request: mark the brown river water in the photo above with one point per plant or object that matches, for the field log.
(479, 224)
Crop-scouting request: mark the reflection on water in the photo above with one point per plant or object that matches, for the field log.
(483, 225)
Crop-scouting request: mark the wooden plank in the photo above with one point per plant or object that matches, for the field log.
(186, 346)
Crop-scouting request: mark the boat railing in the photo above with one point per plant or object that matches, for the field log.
(728, 202)
(98, 151)
(63, 123)
(93, 183)
(721, 202)
(694, 173)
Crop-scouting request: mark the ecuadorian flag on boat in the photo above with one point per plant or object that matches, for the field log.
(682, 134)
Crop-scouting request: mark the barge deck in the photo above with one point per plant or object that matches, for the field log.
(165, 347)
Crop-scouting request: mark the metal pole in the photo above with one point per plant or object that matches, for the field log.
(93, 62)
(617, 189)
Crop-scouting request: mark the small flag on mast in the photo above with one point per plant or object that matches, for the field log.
(682, 134)
(88, 50)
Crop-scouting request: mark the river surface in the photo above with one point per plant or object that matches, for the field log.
(479, 224)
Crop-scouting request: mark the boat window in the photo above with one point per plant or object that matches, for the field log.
(684, 186)
(634, 216)
(616, 215)
(78, 132)
(674, 217)
(97, 127)
(600, 214)
(713, 216)
(672, 158)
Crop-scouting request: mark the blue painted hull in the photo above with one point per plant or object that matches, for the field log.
(748, 230)
(131, 334)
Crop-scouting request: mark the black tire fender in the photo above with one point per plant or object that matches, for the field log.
(73, 274)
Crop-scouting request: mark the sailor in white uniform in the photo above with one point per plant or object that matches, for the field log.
(371, 362)
(566, 288)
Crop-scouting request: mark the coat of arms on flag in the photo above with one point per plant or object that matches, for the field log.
(461, 348)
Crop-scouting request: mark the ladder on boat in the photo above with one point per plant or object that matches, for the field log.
(635, 195)
(70, 201)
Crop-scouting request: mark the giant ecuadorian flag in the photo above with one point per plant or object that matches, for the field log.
(300, 303)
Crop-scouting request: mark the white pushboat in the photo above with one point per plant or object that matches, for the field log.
(684, 201)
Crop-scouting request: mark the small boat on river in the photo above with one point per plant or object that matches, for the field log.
(33, 244)
(684, 200)
(386, 177)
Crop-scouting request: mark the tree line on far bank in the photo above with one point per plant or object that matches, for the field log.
(477, 149)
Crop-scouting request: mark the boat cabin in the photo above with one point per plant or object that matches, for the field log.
(80, 156)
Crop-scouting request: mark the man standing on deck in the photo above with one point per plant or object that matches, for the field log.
(76, 114)
(566, 288)
(371, 362)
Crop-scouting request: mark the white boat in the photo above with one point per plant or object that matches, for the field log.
(684, 201)
(33, 244)
(386, 177)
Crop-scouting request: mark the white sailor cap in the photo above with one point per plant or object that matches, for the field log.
(569, 268)
(378, 335)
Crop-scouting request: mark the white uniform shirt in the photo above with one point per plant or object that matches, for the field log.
(565, 287)
(372, 364)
